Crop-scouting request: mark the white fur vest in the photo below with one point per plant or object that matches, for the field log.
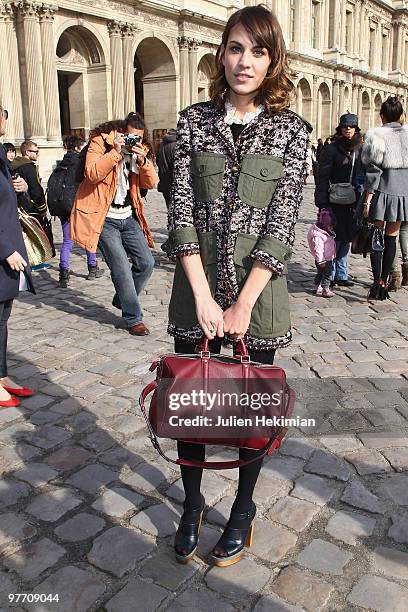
(386, 146)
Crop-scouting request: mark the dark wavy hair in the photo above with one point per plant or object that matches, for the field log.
(262, 25)
(135, 120)
(391, 109)
(71, 142)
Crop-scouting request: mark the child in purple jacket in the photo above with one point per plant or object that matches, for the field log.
(322, 244)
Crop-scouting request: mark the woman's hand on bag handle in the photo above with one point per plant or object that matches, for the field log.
(236, 320)
(16, 262)
(119, 142)
(209, 316)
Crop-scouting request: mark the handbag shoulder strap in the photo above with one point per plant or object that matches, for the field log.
(352, 167)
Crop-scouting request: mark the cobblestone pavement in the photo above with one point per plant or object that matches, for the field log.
(88, 510)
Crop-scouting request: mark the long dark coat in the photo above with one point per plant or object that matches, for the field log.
(11, 238)
(335, 164)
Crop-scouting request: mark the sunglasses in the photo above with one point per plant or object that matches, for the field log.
(33, 151)
(5, 114)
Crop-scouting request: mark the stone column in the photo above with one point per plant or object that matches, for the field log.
(34, 107)
(183, 44)
(315, 103)
(128, 32)
(341, 109)
(359, 102)
(335, 105)
(402, 48)
(343, 16)
(10, 73)
(354, 98)
(115, 33)
(49, 68)
(193, 69)
(356, 29)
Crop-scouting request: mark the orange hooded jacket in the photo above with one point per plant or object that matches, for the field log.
(97, 191)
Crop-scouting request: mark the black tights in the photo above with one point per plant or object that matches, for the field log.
(381, 262)
(191, 476)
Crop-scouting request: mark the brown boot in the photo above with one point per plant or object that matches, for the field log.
(395, 281)
(404, 267)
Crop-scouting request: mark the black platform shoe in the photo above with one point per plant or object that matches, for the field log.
(186, 540)
(233, 541)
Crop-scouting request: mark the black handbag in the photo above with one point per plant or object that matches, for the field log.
(368, 239)
(47, 227)
(377, 240)
(361, 244)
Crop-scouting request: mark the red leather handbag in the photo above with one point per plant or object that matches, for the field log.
(179, 369)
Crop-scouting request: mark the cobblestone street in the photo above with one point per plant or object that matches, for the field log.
(88, 509)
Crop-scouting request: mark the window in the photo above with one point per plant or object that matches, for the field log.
(315, 24)
(349, 31)
(384, 53)
(292, 19)
(371, 53)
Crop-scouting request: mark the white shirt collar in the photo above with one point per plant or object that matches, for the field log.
(230, 117)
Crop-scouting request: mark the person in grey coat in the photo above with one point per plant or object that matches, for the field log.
(385, 153)
(165, 163)
(338, 162)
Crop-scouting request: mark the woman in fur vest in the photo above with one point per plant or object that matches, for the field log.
(385, 153)
(340, 162)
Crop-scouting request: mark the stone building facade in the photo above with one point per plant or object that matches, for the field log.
(65, 68)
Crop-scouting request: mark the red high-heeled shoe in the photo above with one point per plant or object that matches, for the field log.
(22, 392)
(12, 402)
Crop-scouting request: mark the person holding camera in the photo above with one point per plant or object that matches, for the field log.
(108, 209)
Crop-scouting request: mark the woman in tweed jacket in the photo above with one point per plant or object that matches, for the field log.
(237, 190)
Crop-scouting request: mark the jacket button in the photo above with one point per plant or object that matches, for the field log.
(235, 168)
(264, 171)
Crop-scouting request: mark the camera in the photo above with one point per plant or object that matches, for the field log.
(132, 140)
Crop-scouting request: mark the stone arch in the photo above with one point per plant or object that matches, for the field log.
(87, 33)
(365, 111)
(155, 84)
(206, 67)
(81, 68)
(304, 99)
(324, 111)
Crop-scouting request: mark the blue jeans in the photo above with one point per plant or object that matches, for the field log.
(340, 264)
(121, 240)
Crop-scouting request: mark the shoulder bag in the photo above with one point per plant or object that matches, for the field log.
(37, 245)
(214, 372)
(343, 193)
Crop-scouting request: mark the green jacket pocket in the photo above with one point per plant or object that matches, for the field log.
(207, 171)
(182, 310)
(258, 179)
(270, 316)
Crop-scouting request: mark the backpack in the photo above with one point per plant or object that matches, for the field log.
(61, 190)
(80, 168)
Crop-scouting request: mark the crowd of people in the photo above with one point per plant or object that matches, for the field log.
(232, 176)
(362, 177)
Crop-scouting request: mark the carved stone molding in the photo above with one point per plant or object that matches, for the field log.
(129, 30)
(183, 42)
(193, 44)
(6, 12)
(46, 12)
(26, 9)
(115, 28)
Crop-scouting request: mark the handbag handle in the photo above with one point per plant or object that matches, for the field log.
(240, 349)
(273, 443)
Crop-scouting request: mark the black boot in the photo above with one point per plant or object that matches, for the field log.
(186, 540)
(95, 272)
(64, 278)
(230, 547)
